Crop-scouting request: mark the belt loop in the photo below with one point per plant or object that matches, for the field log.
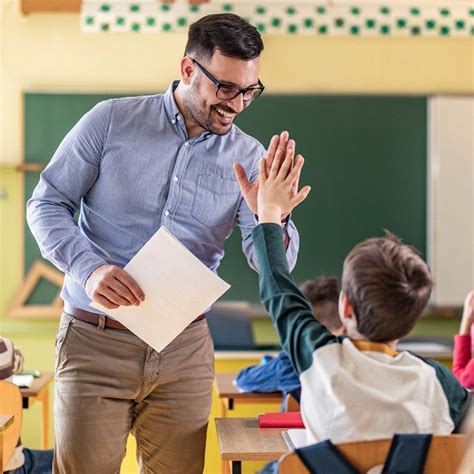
(101, 324)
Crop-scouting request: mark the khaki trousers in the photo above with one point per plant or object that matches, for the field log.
(109, 383)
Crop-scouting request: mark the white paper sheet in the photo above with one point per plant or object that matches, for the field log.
(178, 288)
(23, 380)
(295, 438)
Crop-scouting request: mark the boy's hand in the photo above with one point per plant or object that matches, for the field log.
(468, 314)
(276, 150)
(277, 195)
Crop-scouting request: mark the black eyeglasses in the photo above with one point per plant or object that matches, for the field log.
(228, 91)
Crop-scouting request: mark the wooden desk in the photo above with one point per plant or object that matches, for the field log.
(240, 439)
(39, 392)
(5, 422)
(229, 394)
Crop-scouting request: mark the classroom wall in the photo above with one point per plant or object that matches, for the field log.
(48, 52)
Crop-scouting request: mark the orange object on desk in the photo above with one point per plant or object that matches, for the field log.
(281, 420)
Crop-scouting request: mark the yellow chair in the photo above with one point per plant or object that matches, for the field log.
(444, 456)
(10, 404)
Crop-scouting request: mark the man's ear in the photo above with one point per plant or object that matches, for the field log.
(188, 69)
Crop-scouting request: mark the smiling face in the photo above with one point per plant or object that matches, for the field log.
(203, 110)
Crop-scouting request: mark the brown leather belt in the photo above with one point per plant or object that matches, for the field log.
(93, 318)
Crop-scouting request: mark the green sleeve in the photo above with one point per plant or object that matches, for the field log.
(299, 332)
(459, 399)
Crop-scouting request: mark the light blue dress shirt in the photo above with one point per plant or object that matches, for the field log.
(129, 167)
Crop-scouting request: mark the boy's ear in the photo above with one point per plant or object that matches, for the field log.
(345, 308)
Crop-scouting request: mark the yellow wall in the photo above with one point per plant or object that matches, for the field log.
(47, 52)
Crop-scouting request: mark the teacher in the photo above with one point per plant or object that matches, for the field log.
(128, 167)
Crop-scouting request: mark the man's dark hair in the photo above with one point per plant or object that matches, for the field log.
(388, 285)
(323, 294)
(230, 34)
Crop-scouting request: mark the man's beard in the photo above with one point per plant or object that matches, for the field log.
(199, 115)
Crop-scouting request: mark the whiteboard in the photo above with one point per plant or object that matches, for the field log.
(451, 197)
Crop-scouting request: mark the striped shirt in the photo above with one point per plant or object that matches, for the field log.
(128, 167)
(11, 362)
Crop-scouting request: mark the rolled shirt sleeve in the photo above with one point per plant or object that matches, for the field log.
(72, 171)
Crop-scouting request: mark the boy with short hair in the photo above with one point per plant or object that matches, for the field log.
(354, 387)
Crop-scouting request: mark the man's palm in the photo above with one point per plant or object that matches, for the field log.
(278, 147)
(249, 190)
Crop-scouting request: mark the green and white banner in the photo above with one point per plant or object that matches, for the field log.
(285, 17)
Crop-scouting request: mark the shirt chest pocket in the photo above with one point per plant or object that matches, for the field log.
(215, 201)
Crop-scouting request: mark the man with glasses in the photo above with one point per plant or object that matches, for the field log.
(130, 166)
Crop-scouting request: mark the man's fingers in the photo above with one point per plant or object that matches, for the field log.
(283, 141)
(276, 164)
(301, 196)
(294, 175)
(125, 292)
(102, 300)
(241, 177)
(272, 148)
(262, 171)
(123, 277)
(288, 161)
(112, 296)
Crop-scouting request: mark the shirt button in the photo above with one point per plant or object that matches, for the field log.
(175, 179)
(186, 144)
(167, 213)
(173, 121)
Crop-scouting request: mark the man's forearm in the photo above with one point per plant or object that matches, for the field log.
(60, 239)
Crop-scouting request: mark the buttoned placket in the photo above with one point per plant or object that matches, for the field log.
(172, 202)
(182, 159)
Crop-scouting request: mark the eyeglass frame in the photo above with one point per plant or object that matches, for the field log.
(220, 84)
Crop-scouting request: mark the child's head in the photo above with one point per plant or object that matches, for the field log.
(323, 294)
(385, 285)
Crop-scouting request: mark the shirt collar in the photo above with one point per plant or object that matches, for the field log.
(367, 346)
(170, 104)
(175, 116)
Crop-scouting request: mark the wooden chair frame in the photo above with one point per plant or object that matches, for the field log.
(444, 456)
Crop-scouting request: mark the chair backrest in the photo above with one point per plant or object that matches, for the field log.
(467, 464)
(231, 326)
(445, 455)
(10, 404)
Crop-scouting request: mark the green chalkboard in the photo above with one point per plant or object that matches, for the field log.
(366, 161)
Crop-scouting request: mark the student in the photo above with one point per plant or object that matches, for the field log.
(277, 373)
(463, 360)
(23, 460)
(355, 387)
